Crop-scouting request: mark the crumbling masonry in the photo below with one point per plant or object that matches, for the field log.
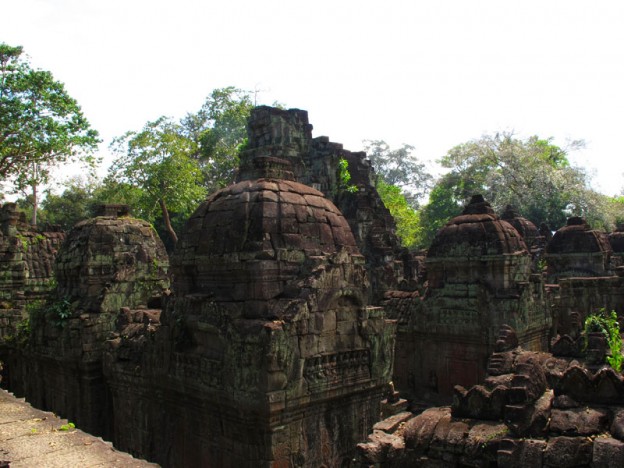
(268, 339)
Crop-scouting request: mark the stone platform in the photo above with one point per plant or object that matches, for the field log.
(31, 437)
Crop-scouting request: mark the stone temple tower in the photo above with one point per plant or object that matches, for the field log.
(479, 278)
(267, 353)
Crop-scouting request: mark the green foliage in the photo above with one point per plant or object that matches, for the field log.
(57, 311)
(41, 126)
(533, 175)
(218, 133)
(67, 427)
(22, 333)
(399, 167)
(74, 204)
(406, 218)
(608, 324)
(23, 240)
(23, 329)
(155, 166)
(169, 167)
(446, 201)
(344, 177)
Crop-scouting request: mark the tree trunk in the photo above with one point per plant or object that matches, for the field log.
(165, 213)
(33, 220)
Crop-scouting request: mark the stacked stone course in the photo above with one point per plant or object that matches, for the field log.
(479, 277)
(533, 409)
(267, 353)
(105, 263)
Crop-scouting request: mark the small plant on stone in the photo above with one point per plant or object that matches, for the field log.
(36, 311)
(22, 331)
(67, 427)
(344, 176)
(59, 311)
(608, 325)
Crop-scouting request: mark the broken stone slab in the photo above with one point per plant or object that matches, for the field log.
(568, 452)
(390, 425)
(608, 453)
(579, 421)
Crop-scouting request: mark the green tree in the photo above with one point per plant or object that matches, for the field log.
(406, 218)
(41, 126)
(399, 167)
(218, 131)
(74, 204)
(154, 167)
(534, 175)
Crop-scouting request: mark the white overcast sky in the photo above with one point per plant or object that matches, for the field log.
(430, 73)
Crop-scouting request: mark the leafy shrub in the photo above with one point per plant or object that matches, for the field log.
(608, 325)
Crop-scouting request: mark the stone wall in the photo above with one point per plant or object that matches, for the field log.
(578, 250)
(105, 263)
(533, 409)
(267, 353)
(27, 256)
(479, 276)
(584, 296)
(276, 132)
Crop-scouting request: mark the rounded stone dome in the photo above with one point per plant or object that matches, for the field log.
(529, 231)
(478, 231)
(249, 240)
(110, 261)
(578, 237)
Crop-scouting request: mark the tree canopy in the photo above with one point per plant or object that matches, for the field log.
(170, 166)
(154, 167)
(41, 126)
(405, 217)
(533, 174)
(399, 167)
(217, 132)
(402, 181)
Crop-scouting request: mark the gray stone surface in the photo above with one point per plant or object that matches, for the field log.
(30, 437)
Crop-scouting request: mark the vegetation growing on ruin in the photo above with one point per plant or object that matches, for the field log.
(344, 177)
(57, 311)
(607, 323)
(407, 220)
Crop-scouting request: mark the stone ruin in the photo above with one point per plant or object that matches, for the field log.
(533, 238)
(107, 262)
(266, 350)
(577, 250)
(373, 227)
(479, 277)
(270, 348)
(27, 257)
(616, 240)
(534, 409)
(267, 353)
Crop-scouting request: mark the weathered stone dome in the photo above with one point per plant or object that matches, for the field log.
(477, 247)
(247, 241)
(578, 250)
(476, 232)
(110, 261)
(529, 231)
(577, 236)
